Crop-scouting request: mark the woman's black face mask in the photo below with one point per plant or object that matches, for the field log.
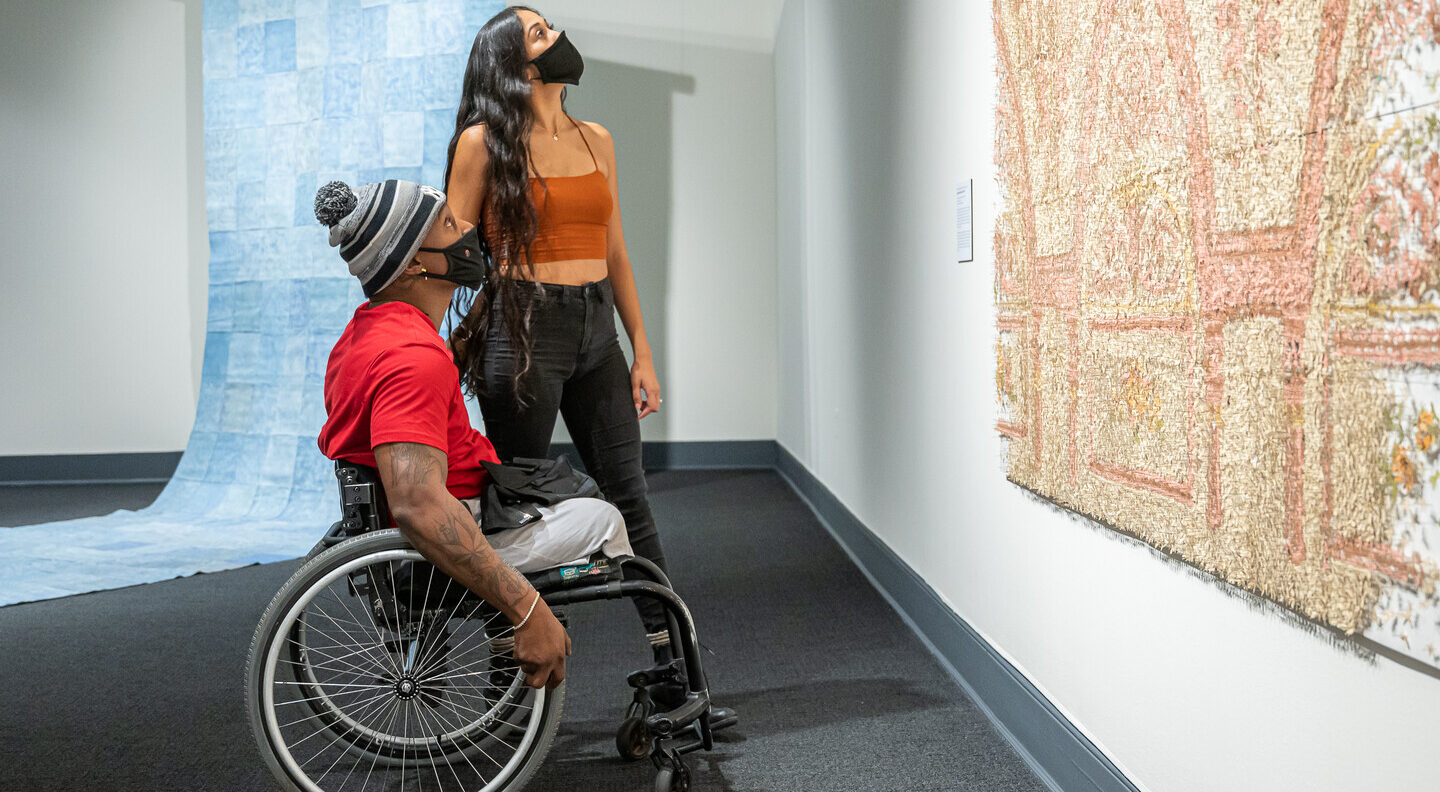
(561, 63)
(465, 259)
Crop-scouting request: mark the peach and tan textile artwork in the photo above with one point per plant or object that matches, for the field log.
(1217, 285)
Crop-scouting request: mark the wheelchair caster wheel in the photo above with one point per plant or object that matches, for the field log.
(632, 739)
(673, 780)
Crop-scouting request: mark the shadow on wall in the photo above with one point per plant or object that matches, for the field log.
(1353, 645)
(857, 279)
(198, 243)
(635, 105)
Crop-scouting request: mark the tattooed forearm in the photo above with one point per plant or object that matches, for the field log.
(461, 540)
(442, 529)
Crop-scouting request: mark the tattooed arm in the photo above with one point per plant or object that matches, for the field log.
(444, 531)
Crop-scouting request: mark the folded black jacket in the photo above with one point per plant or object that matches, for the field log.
(518, 489)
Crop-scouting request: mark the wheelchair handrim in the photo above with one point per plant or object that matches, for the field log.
(272, 659)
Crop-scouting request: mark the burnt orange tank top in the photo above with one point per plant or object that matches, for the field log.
(574, 214)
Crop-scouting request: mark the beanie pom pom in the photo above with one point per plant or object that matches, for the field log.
(333, 202)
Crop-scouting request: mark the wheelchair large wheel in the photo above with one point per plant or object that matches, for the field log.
(355, 683)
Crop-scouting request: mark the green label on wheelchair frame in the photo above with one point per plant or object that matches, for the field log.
(570, 573)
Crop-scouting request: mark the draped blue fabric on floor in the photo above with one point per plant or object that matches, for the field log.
(297, 93)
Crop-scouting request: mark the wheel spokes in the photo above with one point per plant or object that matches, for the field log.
(363, 707)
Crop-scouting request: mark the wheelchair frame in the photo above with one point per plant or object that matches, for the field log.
(668, 734)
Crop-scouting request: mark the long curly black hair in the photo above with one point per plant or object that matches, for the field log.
(496, 93)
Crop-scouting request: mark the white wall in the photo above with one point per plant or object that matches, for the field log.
(725, 24)
(688, 93)
(100, 223)
(886, 395)
(102, 116)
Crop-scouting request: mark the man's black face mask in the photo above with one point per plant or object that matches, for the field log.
(465, 260)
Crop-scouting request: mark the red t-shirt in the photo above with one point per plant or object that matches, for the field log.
(390, 379)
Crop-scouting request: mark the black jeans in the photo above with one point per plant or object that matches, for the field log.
(577, 370)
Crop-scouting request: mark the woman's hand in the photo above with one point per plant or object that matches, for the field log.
(645, 387)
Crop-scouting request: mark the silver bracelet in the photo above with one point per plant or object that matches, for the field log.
(527, 613)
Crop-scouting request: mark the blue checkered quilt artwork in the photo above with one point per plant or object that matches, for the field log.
(297, 93)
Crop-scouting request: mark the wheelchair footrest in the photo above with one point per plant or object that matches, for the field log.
(666, 723)
(669, 672)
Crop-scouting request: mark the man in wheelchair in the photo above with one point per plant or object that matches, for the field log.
(393, 402)
(361, 670)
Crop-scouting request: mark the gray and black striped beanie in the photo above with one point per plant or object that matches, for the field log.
(378, 227)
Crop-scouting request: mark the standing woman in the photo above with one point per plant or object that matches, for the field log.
(540, 339)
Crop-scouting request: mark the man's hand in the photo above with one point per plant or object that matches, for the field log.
(444, 531)
(541, 647)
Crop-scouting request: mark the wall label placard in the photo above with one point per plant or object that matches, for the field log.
(964, 245)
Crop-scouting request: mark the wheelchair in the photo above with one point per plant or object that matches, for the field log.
(372, 669)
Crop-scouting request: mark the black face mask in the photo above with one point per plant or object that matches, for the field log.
(465, 259)
(561, 63)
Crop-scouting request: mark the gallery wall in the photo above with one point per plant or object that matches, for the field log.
(697, 189)
(103, 219)
(888, 396)
(689, 98)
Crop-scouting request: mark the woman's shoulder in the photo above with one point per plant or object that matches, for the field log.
(472, 137)
(594, 129)
(600, 137)
(471, 156)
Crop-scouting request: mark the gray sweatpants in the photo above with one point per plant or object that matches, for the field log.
(567, 533)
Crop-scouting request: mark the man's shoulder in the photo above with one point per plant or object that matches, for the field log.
(414, 353)
(395, 340)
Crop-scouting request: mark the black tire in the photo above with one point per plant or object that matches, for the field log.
(673, 780)
(443, 746)
(632, 739)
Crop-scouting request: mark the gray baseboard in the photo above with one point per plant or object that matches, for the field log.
(88, 468)
(697, 455)
(1048, 742)
(159, 466)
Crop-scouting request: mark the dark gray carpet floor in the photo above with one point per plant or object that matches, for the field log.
(24, 505)
(141, 688)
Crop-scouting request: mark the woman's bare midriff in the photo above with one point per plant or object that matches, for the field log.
(574, 272)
